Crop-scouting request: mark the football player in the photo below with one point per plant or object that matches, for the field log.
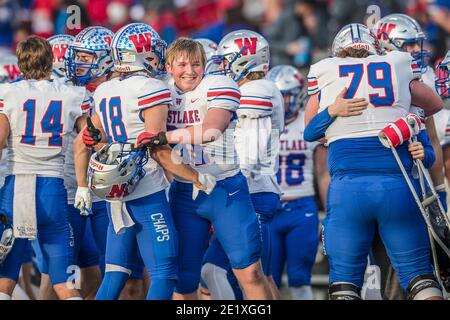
(366, 183)
(244, 56)
(127, 108)
(203, 114)
(296, 223)
(34, 197)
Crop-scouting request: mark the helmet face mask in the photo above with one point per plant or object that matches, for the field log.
(442, 82)
(397, 32)
(89, 56)
(241, 52)
(115, 170)
(291, 84)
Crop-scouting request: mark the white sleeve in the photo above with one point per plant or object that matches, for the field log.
(87, 103)
(258, 135)
(256, 102)
(223, 93)
(313, 85)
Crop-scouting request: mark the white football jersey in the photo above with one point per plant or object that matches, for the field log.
(218, 158)
(296, 173)
(119, 103)
(42, 114)
(257, 134)
(382, 80)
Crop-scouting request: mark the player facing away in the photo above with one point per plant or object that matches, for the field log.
(367, 190)
(37, 116)
(127, 107)
(203, 112)
(296, 223)
(399, 32)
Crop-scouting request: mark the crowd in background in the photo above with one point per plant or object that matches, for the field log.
(299, 31)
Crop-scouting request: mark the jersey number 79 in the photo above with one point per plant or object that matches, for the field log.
(379, 76)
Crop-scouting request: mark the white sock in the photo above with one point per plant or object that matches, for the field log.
(19, 293)
(301, 293)
(217, 281)
(4, 296)
(75, 298)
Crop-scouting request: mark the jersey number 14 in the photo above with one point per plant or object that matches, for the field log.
(50, 123)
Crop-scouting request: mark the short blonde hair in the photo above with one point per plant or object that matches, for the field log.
(35, 58)
(188, 47)
(256, 75)
(353, 53)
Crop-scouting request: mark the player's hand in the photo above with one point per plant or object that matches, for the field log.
(91, 135)
(83, 201)
(205, 183)
(151, 140)
(347, 107)
(417, 151)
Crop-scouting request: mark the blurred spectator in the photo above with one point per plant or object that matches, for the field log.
(232, 19)
(298, 33)
(8, 10)
(160, 15)
(22, 32)
(439, 12)
(118, 12)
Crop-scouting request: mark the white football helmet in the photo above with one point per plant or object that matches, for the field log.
(60, 43)
(9, 70)
(291, 84)
(356, 36)
(6, 237)
(115, 170)
(242, 52)
(93, 40)
(442, 82)
(396, 30)
(136, 47)
(210, 48)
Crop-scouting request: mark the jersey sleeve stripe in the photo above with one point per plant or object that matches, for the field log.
(223, 88)
(312, 83)
(152, 93)
(257, 97)
(85, 107)
(256, 103)
(233, 94)
(159, 98)
(225, 99)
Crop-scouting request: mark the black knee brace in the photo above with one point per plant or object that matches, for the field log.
(344, 291)
(423, 287)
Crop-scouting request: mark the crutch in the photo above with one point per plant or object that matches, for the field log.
(392, 136)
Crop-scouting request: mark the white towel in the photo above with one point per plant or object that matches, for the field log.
(24, 207)
(120, 217)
